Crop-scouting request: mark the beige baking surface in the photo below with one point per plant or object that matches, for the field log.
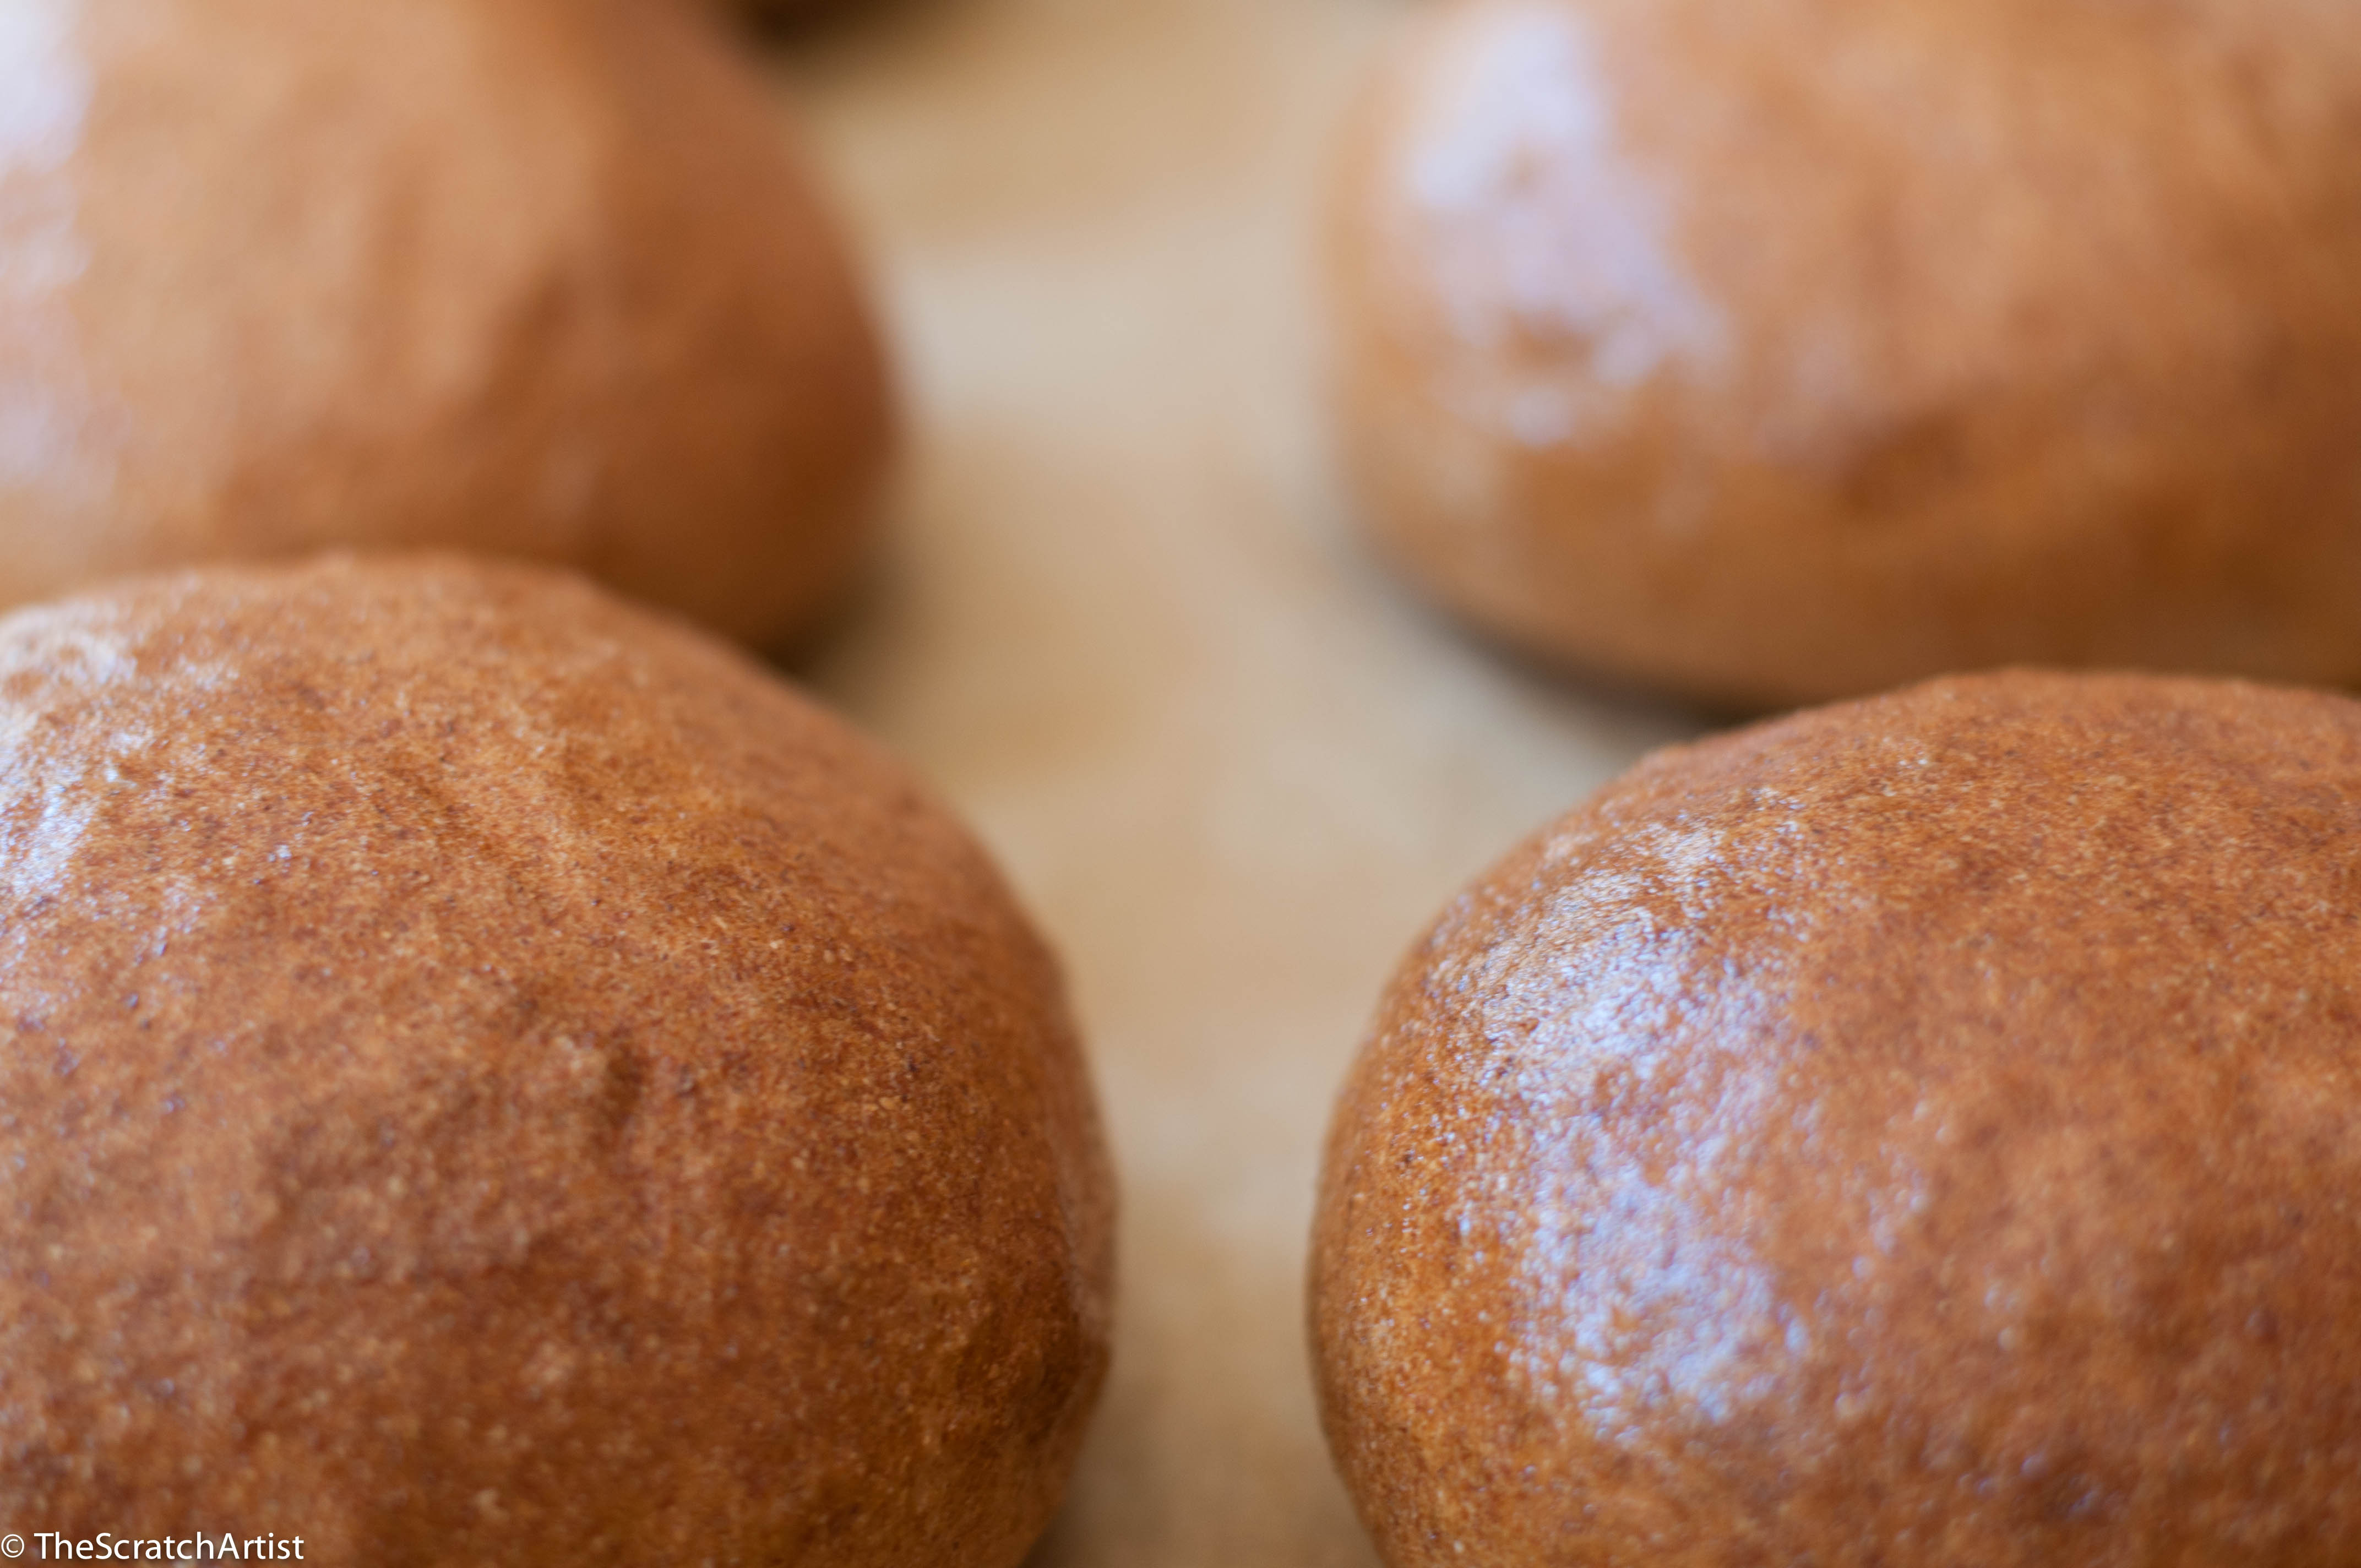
(1124, 628)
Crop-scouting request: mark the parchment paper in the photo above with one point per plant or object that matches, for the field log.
(1126, 627)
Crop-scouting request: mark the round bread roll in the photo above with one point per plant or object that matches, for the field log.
(498, 1078)
(1918, 1133)
(535, 278)
(1788, 350)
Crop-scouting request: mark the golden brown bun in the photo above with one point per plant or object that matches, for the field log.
(538, 277)
(1792, 349)
(496, 1076)
(1916, 1133)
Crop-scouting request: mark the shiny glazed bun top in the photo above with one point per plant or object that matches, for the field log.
(535, 278)
(1782, 350)
(1919, 1132)
(498, 1078)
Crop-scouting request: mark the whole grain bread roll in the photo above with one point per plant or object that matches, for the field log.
(535, 278)
(1916, 1133)
(496, 1076)
(1775, 352)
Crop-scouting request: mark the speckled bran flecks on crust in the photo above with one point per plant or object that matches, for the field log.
(1918, 1132)
(495, 1076)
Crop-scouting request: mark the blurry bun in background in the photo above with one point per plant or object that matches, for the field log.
(1918, 1132)
(537, 278)
(1773, 352)
(496, 1076)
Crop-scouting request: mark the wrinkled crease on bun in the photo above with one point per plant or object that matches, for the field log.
(1918, 1132)
(1780, 352)
(544, 278)
(496, 1076)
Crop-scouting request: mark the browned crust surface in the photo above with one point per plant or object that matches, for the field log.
(495, 1078)
(1915, 1133)
(537, 278)
(1790, 350)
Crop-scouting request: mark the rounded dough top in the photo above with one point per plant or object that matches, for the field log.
(1793, 349)
(532, 278)
(497, 1077)
(1919, 1131)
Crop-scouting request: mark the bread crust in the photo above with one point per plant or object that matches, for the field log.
(543, 279)
(1796, 349)
(496, 1076)
(1918, 1133)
